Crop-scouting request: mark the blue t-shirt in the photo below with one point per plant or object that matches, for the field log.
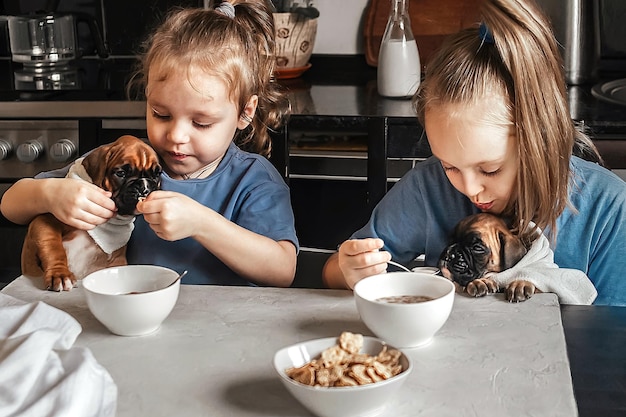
(246, 189)
(419, 213)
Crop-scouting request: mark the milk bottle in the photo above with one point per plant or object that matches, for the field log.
(398, 60)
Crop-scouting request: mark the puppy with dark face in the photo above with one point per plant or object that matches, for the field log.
(482, 244)
(128, 168)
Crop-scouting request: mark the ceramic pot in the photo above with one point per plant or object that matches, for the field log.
(295, 38)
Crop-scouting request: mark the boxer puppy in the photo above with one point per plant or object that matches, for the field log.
(130, 169)
(483, 244)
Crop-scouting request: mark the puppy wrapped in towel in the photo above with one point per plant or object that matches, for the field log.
(485, 257)
(130, 169)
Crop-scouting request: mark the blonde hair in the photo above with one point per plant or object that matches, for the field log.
(515, 54)
(240, 50)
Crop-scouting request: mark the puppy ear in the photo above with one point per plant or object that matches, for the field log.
(512, 250)
(95, 164)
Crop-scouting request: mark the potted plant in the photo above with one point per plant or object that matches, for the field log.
(296, 27)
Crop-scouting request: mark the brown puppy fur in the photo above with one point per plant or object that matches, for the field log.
(130, 169)
(483, 244)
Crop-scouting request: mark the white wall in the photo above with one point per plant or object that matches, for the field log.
(340, 27)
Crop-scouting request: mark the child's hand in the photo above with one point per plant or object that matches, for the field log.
(79, 203)
(168, 214)
(360, 258)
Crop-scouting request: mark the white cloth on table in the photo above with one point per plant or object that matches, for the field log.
(41, 373)
(537, 266)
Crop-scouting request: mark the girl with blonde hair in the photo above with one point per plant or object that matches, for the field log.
(224, 212)
(493, 105)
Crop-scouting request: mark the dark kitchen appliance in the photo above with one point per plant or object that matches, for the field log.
(49, 39)
(46, 45)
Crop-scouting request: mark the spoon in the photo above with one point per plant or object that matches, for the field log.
(182, 274)
(167, 286)
(399, 266)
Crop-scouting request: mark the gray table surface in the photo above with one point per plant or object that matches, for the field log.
(213, 354)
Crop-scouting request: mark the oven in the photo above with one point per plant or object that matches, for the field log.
(26, 148)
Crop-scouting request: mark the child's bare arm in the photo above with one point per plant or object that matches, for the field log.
(74, 202)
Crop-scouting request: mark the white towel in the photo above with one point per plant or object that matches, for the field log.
(116, 232)
(113, 234)
(41, 373)
(537, 266)
(77, 171)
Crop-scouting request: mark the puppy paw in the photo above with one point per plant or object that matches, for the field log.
(520, 290)
(481, 287)
(59, 280)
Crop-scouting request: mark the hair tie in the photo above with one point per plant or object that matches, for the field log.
(227, 9)
(485, 34)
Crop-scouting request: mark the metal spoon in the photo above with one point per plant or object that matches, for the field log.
(182, 274)
(399, 266)
(167, 286)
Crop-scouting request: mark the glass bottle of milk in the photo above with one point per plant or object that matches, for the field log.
(398, 58)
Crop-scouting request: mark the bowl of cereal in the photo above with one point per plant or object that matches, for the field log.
(405, 309)
(132, 300)
(349, 376)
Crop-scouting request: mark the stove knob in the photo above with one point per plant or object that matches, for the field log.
(62, 151)
(5, 149)
(29, 151)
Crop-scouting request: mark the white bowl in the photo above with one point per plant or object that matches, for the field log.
(107, 292)
(404, 325)
(364, 400)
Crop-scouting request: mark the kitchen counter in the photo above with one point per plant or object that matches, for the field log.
(335, 86)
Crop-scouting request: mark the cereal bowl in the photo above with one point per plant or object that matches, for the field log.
(346, 401)
(392, 306)
(131, 300)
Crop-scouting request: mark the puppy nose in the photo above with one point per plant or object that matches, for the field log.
(143, 187)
